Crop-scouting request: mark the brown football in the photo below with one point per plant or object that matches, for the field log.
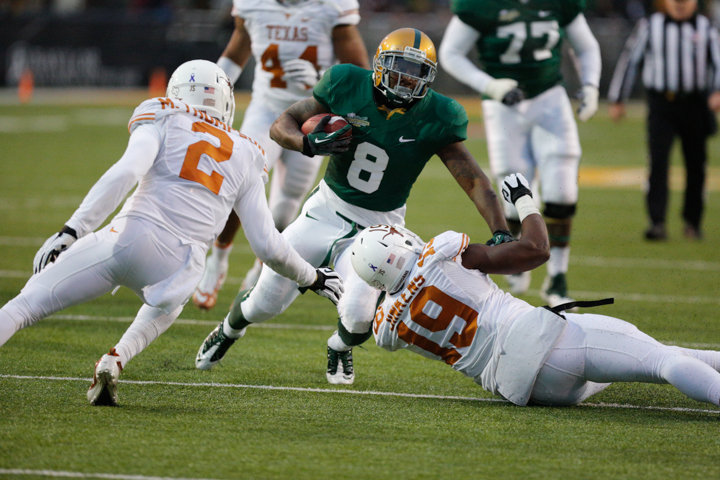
(336, 123)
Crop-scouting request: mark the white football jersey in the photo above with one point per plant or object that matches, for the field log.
(447, 312)
(199, 174)
(279, 33)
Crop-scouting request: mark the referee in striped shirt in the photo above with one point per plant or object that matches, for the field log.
(680, 53)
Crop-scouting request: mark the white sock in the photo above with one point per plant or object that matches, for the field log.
(559, 261)
(692, 377)
(221, 253)
(710, 357)
(149, 324)
(232, 332)
(7, 327)
(336, 343)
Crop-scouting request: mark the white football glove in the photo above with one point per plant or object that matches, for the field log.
(328, 284)
(53, 247)
(500, 88)
(515, 186)
(588, 102)
(301, 71)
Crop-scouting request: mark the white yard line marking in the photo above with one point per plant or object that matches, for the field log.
(348, 392)
(289, 326)
(190, 321)
(59, 473)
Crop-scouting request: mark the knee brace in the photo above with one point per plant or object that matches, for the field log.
(559, 212)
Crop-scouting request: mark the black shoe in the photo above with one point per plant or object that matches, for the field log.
(340, 369)
(692, 233)
(656, 232)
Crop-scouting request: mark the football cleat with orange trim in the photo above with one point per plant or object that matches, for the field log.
(216, 269)
(103, 390)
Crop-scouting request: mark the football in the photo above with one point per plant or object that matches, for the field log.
(336, 123)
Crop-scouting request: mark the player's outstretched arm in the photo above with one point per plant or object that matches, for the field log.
(237, 52)
(104, 197)
(349, 46)
(533, 248)
(474, 182)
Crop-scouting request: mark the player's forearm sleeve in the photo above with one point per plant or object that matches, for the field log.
(267, 243)
(104, 197)
(457, 41)
(587, 50)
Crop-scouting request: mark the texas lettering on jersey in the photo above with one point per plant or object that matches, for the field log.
(280, 33)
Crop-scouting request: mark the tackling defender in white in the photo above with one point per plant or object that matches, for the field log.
(441, 304)
(191, 169)
(293, 43)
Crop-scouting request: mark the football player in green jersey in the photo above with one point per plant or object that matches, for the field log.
(529, 121)
(398, 123)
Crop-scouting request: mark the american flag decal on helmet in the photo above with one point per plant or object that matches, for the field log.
(210, 90)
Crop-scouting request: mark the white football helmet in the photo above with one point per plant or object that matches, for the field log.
(205, 86)
(383, 256)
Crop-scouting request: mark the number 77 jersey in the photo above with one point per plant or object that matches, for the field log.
(520, 40)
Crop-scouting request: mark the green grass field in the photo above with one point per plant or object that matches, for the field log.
(268, 412)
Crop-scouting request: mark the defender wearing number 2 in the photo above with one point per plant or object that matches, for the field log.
(398, 123)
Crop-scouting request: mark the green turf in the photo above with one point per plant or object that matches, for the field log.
(197, 431)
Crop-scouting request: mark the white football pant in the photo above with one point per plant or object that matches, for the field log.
(322, 237)
(536, 134)
(596, 350)
(294, 174)
(131, 252)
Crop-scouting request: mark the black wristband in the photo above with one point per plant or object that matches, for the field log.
(69, 231)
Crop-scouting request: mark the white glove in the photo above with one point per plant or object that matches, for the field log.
(301, 71)
(588, 102)
(328, 284)
(499, 87)
(53, 247)
(516, 190)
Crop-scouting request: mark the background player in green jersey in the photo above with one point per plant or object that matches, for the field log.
(398, 123)
(529, 121)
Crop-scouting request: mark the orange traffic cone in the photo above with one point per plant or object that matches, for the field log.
(26, 86)
(158, 83)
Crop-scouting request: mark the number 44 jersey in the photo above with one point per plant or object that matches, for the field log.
(520, 40)
(279, 33)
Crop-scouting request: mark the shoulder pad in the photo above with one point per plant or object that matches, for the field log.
(446, 246)
(151, 110)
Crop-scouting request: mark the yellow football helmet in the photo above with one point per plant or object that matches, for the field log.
(405, 65)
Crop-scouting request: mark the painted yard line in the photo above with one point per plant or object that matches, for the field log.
(59, 473)
(639, 297)
(590, 261)
(289, 326)
(655, 263)
(349, 392)
(190, 321)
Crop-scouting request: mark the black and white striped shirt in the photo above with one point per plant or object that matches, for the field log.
(677, 57)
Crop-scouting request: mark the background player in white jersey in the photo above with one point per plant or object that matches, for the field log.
(528, 118)
(293, 43)
(441, 304)
(192, 169)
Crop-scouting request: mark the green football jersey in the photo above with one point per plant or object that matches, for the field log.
(389, 149)
(520, 40)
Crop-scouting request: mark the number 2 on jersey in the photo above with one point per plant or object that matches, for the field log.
(270, 62)
(190, 170)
